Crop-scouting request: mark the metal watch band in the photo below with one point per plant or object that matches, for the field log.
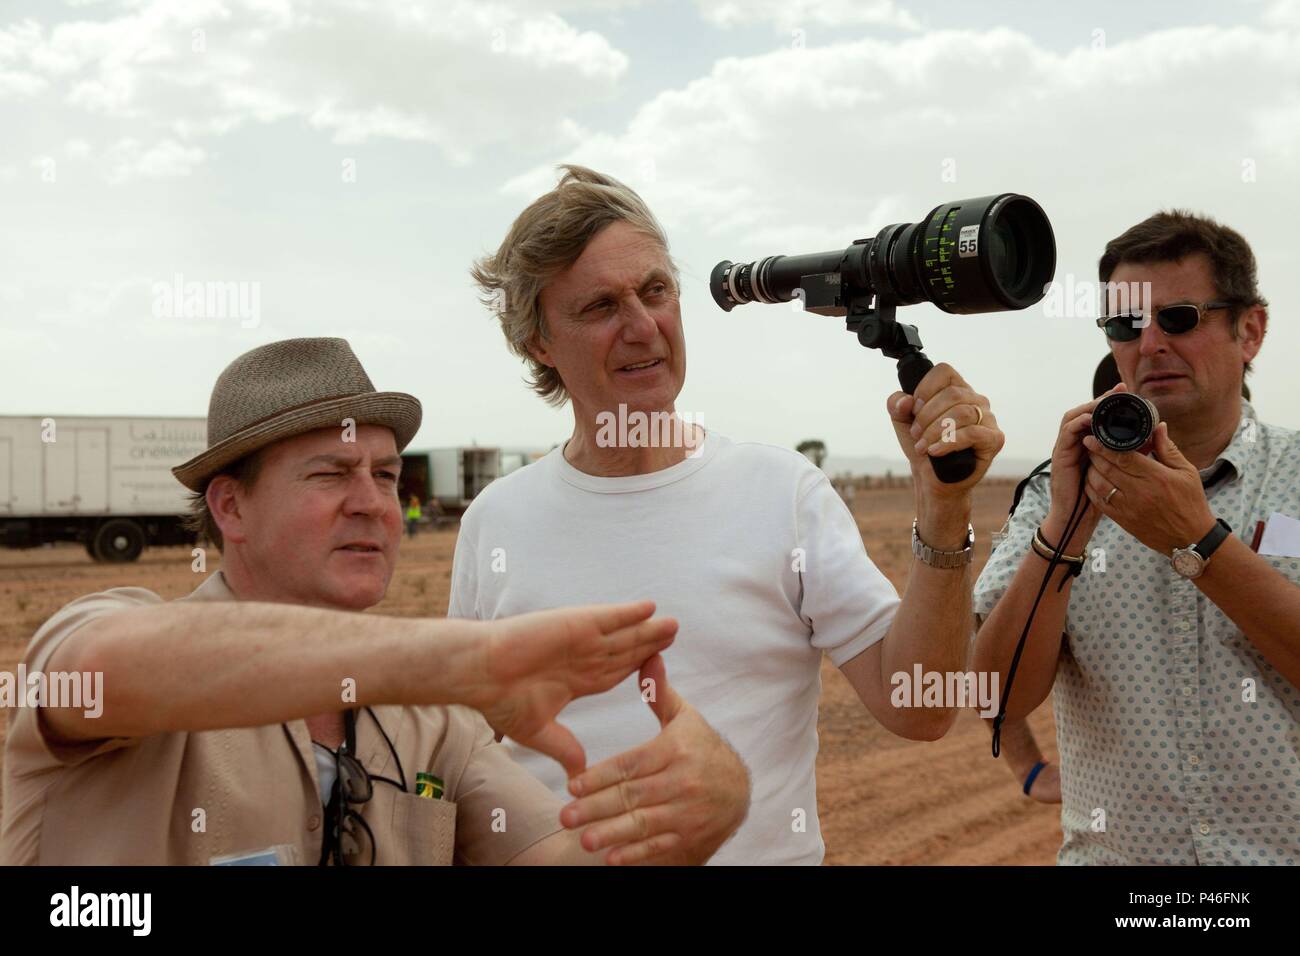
(943, 559)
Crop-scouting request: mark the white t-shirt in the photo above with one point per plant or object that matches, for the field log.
(327, 771)
(753, 552)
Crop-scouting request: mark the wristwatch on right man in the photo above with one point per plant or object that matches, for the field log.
(1190, 561)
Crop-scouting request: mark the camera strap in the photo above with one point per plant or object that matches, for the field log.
(1044, 468)
(1076, 519)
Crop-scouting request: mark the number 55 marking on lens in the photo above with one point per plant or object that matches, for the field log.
(968, 241)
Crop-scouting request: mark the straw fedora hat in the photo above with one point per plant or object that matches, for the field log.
(288, 388)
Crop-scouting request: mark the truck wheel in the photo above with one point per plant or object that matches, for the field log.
(118, 541)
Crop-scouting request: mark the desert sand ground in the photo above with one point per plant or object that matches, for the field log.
(882, 800)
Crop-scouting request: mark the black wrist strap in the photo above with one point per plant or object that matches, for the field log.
(1210, 543)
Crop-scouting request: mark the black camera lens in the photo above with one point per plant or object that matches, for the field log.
(1124, 421)
(983, 255)
(987, 254)
(1004, 260)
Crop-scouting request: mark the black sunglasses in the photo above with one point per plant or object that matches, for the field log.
(1172, 319)
(350, 841)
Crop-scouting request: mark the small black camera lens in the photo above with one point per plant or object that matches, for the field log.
(1124, 421)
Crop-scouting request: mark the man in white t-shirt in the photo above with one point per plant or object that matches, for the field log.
(747, 545)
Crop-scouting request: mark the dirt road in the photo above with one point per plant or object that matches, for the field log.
(882, 799)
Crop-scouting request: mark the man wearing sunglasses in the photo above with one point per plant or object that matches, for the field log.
(263, 719)
(1039, 779)
(1173, 647)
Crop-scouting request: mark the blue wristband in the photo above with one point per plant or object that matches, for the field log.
(1029, 780)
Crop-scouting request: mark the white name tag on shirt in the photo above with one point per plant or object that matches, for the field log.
(1281, 537)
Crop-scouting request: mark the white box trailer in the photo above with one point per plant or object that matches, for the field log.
(105, 482)
(459, 474)
(512, 459)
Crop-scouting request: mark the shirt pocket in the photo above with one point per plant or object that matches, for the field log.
(421, 832)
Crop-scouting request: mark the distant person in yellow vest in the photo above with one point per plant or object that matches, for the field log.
(412, 515)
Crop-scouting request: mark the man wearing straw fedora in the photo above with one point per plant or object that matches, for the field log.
(263, 719)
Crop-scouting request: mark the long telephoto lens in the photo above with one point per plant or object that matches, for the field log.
(988, 254)
(1124, 421)
(775, 278)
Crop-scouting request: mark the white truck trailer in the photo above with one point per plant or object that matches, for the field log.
(459, 474)
(105, 482)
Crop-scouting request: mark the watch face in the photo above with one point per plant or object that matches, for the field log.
(1188, 563)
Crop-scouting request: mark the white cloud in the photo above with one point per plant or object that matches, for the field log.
(462, 76)
(787, 15)
(13, 42)
(47, 166)
(128, 160)
(17, 83)
(594, 6)
(81, 305)
(795, 135)
(1283, 13)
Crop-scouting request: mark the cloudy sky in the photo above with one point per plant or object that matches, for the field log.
(348, 160)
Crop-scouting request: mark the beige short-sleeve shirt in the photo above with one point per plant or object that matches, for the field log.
(187, 798)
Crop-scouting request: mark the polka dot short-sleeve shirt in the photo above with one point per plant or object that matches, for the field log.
(1178, 740)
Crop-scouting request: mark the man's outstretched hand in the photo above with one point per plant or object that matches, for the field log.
(672, 800)
(532, 665)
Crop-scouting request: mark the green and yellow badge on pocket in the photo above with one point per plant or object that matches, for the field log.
(427, 785)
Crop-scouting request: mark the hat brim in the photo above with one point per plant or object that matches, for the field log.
(395, 410)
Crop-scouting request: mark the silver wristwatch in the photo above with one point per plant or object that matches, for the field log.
(1190, 561)
(944, 559)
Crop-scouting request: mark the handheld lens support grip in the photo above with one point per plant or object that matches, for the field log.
(877, 328)
(955, 466)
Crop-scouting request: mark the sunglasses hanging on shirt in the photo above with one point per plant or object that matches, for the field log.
(350, 841)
